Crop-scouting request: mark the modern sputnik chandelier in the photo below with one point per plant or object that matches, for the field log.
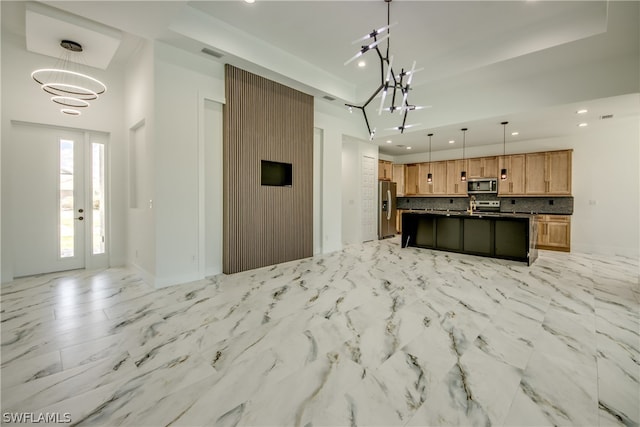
(69, 88)
(396, 87)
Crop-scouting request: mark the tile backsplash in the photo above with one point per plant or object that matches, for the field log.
(536, 205)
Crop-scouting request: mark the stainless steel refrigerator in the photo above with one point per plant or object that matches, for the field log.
(386, 209)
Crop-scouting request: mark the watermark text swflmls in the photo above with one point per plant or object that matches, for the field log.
(36, 417)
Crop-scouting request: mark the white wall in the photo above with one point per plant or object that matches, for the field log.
(158, 101)
(23, 100)
(605, 181)
(318, 150)
(139, 124)
(180, 78)
(335, 122)
(606, 184)
(183, 229)
(212, 168)
(350, 192)
(185, 167)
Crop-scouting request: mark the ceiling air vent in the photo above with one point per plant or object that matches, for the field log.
(211, 52)
(606, 116)
(329, 98)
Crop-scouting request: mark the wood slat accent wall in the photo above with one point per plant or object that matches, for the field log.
(264, 120)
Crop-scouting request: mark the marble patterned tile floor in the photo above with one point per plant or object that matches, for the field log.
(371, 335)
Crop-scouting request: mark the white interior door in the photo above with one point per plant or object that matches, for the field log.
(49, 194)
(369, 198)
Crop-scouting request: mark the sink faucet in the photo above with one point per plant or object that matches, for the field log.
(472, 204)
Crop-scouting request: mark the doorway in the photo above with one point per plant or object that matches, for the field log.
(58, 199)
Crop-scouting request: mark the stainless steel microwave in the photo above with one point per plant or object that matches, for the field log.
(482, 185)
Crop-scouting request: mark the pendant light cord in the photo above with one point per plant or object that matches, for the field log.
(464, 140)
(504, 138)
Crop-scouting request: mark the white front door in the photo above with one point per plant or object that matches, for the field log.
(58, 204)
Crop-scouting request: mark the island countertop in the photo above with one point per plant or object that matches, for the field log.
(475, 214)
(492, 234)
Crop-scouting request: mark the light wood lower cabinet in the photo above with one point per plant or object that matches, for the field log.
(554, 232)
(399, 221)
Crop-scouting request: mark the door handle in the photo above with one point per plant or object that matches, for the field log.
(389, 206)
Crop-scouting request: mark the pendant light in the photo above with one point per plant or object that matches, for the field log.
(70, 88)
(429, 175)
(503, 171)
(463, 174)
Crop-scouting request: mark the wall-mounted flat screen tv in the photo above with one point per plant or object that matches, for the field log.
(276, 173)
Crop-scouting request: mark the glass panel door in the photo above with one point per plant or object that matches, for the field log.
(67, 202)
(59, 185)
(98, 218)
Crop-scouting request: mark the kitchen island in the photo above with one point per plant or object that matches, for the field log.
(491, 234)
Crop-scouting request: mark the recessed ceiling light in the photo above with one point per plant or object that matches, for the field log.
(582, 111)
(362, 64)
(582, 125)
(515, 133)
(249, 1)
(451, 141)
(408, 148)
(389, 141)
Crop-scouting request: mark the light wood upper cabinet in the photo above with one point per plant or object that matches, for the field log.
(536, 182)
(455, 187)
(439, 173)
(554, 232)
(398, 178)
(548, 173)
(411, 179)
(559, 172)
(483, 167)
(515, 166)
(385, 170)
(423, 186)
(532, 174)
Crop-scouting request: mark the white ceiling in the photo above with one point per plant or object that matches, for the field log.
(533, 63)
(46, 28)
